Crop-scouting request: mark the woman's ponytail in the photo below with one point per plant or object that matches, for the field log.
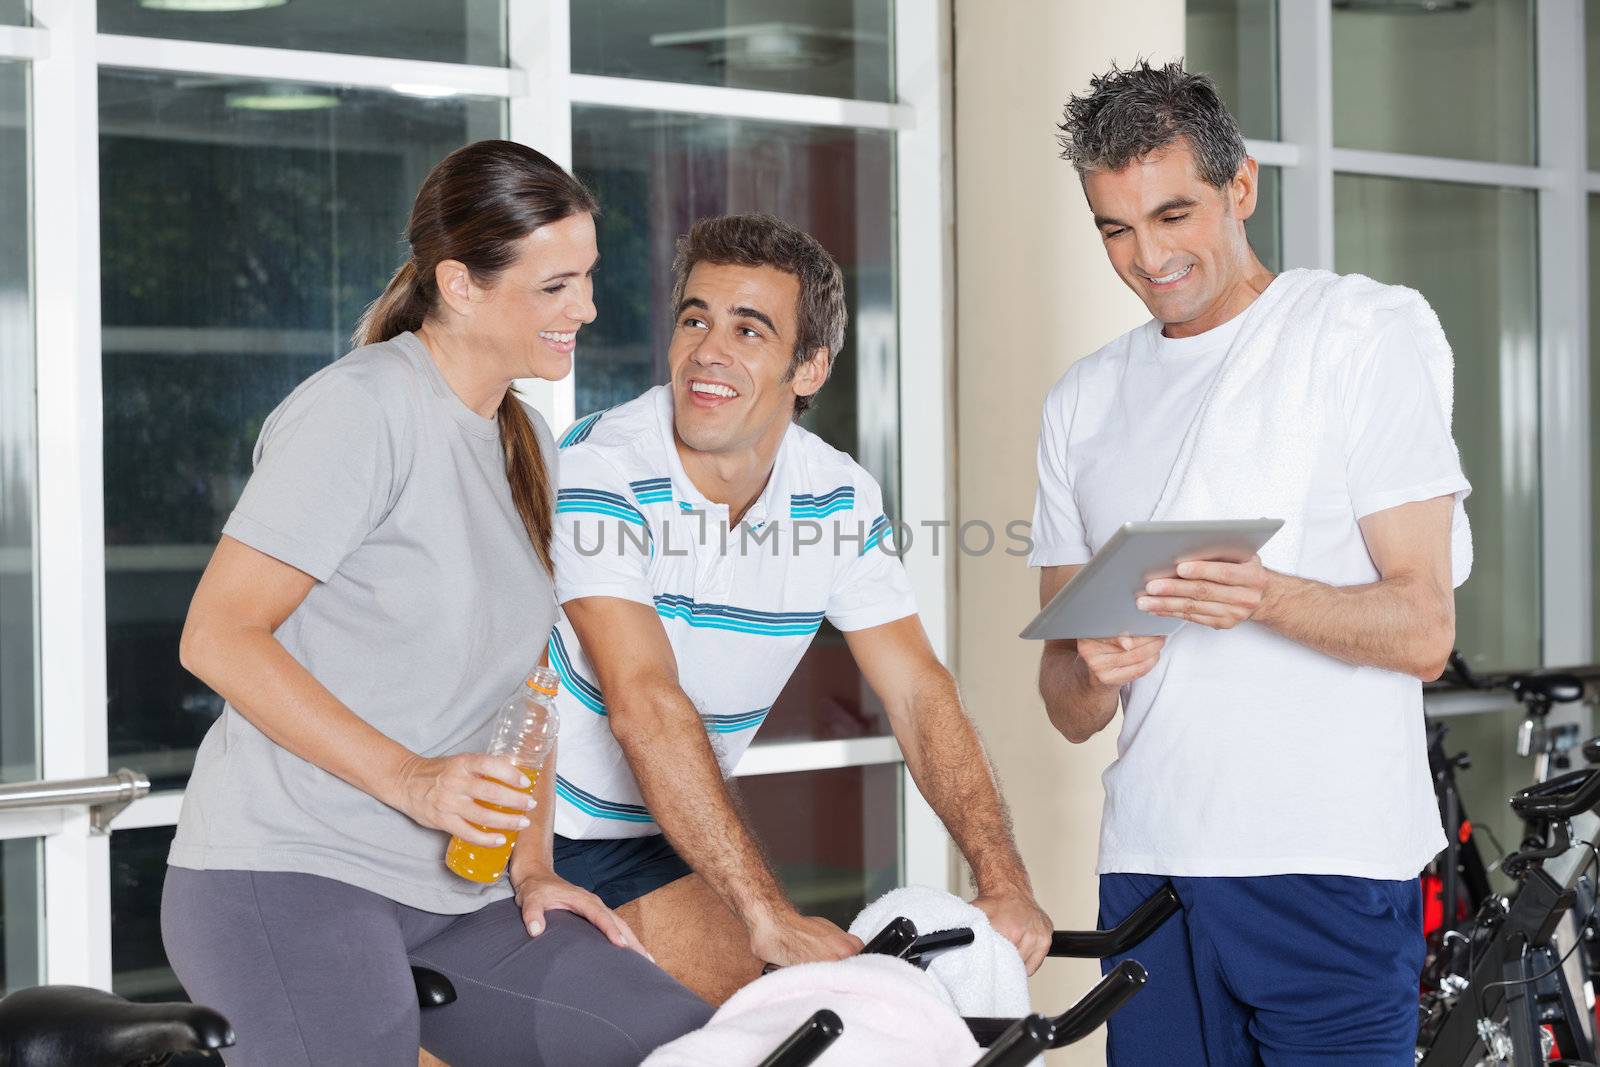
(529, 478)
(403, 306)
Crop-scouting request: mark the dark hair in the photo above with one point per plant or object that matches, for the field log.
(1127, 114)
(758, 240)
(473, 207)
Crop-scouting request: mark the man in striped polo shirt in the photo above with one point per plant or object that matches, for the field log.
(701, 538)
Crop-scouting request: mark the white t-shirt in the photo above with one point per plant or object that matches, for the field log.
(739, 606)
(1243, 753)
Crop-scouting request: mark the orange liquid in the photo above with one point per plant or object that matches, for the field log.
(483, 863)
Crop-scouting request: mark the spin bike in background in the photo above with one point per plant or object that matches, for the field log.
(1512, 984)
(1457, 882)
(1506, 997)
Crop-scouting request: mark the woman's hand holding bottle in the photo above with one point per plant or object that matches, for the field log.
(444, 793)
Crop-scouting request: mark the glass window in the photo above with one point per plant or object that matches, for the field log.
(1471, 251)
(1594, 417)
(448, 31)
(655, 174)
(824, 47)
(21, 914)
(1435, 79)
(1265, 227)
(139, 969)
(1236, 42)
(21, 900)
(19, 561)
(1591, 68)
(13, 13)
(833, 836)
(239, 247)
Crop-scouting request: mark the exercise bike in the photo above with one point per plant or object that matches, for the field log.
(1457, 882)
(1507, 996)
(58, 1026)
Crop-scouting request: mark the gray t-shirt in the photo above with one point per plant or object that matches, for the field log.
(430, 607)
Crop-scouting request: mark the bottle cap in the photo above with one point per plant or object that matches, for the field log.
(544, 680)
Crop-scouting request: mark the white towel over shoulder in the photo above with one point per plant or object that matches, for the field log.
(986, 977)
(1249, 452)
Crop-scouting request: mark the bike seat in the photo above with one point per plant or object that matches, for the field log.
(1556, 688)
(433, 989)
(52, 1026)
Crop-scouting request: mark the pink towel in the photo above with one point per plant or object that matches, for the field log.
(893, 1014)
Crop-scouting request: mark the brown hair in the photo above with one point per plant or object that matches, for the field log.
(473, 207)
(765, 241)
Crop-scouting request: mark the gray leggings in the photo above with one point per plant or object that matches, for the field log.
(314, 972)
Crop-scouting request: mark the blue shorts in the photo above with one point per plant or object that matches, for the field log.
(1278, 971)
(621, 869)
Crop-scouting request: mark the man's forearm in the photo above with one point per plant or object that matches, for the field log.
(682, 784)
(1077, 707)
(950, 767)
(1405, 623)
(535, 846)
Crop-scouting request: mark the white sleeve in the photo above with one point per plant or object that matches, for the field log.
(602, 544)
(870, 584)
(1058, 534)
(1398, 445)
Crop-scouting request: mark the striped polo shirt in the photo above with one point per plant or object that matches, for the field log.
(739, 606)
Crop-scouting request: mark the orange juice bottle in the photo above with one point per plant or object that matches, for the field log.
(524, 733)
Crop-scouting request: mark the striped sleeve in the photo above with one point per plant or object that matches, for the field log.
(870, 583)
(603, 544)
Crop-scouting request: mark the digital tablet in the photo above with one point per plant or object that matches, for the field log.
(1098, 601)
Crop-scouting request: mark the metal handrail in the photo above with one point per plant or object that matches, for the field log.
(105, 797)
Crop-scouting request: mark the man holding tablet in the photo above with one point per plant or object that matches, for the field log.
(1271, 762)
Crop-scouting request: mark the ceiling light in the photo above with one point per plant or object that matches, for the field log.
(210, 5)
(282, 99)
(1403, 7)
(427, 92)
(769, 46)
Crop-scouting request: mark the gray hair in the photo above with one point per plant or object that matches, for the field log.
(758, 240)
(1127, 114)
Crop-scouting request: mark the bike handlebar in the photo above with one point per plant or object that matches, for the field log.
(1161, 905)
(1561, 797)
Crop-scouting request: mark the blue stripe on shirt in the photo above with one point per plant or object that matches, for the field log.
(738, 620)
(579, 431)
(732, 724)
(594, 806)
(583, 691)
(810, 506)
(879, 531)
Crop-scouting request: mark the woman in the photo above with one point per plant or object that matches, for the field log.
(381, 588)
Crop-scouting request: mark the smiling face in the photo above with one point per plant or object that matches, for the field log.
(530, 316)
(1177, 241)
(731, 350)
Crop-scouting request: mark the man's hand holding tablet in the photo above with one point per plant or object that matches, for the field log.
(1113, 662)
(1215, 594)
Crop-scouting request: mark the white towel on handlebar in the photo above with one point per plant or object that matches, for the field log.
(1249, 452)
(986, 977)
(893, 1015)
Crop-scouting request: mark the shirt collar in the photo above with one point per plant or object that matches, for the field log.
(767, 506)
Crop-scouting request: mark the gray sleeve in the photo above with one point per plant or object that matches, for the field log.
(324, 476)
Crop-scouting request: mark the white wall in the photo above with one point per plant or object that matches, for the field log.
(1033, 293)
